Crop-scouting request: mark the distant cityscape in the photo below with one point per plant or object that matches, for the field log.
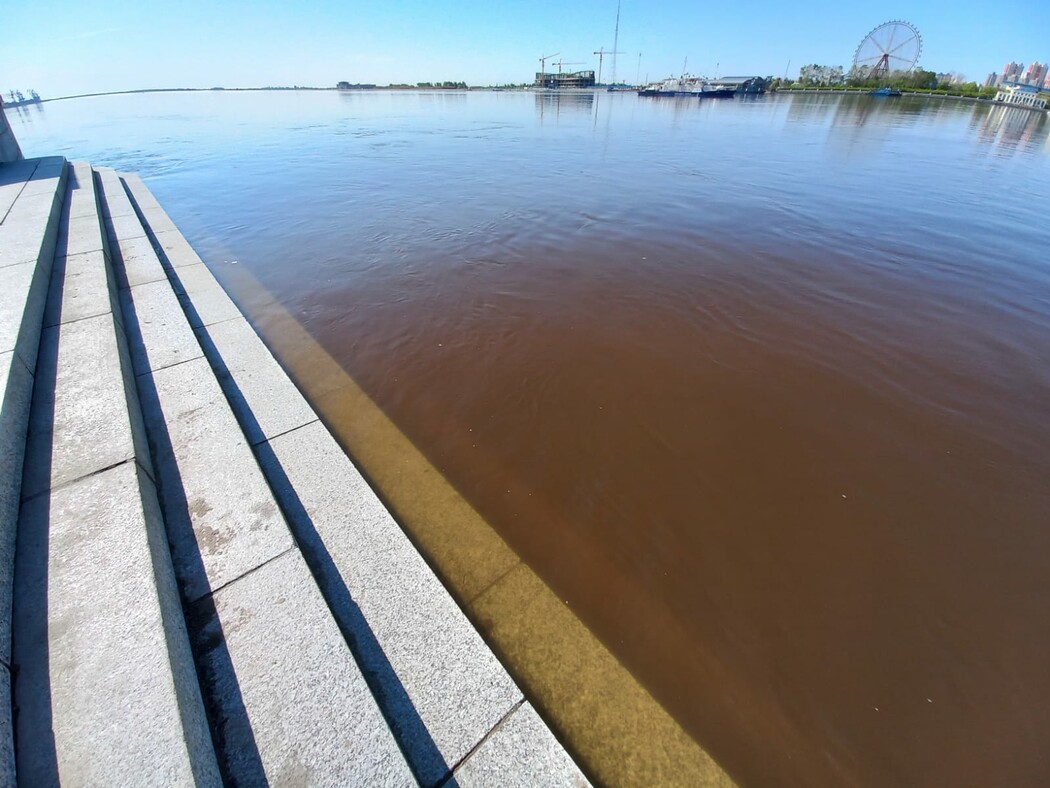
(1037, 75)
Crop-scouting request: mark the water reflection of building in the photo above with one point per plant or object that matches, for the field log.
(553, 104)
(576, 79)
(1009, 128)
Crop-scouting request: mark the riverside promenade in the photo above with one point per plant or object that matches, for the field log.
(197, 586)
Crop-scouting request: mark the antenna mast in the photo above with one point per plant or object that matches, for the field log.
(616, 44)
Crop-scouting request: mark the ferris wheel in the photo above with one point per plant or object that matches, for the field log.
(892, 46)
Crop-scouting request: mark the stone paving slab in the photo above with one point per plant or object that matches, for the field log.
(294, 706)
(96, 689)
(158, 220)
(205, 297)
(398, 595)
(28, 230)
(82, 234)
(520, 753)
(153, 214)
(176, 250)
(160, 336)
(266, 402)
(80, 288)
(80, 196)
(136, 263)
(144, 198)
(124, 227)
(228, 523)
(23, 293)
(29, 227)
(13, 178)
(49, 167)
(79, 422)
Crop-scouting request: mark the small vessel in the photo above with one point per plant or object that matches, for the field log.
(884, 92)
(687, 86)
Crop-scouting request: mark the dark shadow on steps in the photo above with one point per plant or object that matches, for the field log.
(417, 746)
(410, 733)
(200, 745)
(36, 758)
(231, 731)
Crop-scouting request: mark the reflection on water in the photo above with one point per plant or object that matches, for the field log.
(758, 388)
(550, 104)
(1011, 129)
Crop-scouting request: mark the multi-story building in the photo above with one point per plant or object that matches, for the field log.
(1012, 72)
(992, 80)
(577, 79)
(1035, 74)
(1021, 96)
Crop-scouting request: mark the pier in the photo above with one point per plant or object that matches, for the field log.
(197, 586)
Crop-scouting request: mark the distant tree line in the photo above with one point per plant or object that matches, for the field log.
(917, 80)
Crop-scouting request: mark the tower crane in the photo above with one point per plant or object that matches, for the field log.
(543, 61)
(601, 53)
(561, 63)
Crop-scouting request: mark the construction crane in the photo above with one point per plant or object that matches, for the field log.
(543, 62)
(561, 63)
(601, 53)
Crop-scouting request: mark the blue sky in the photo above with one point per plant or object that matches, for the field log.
(62, 48)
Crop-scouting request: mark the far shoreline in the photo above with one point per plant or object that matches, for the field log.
(497, 88)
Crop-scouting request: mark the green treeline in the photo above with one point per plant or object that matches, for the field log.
(919, 81)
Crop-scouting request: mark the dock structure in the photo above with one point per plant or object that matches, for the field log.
(197, 586)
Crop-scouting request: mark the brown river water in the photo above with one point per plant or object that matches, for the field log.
(759, 388)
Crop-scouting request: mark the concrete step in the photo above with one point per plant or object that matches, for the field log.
(106, 687)
(288, 702)
(31, 193)
(450, 704)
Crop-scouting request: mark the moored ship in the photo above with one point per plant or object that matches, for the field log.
(686, 86)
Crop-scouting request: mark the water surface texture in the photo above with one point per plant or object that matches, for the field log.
(760, 387)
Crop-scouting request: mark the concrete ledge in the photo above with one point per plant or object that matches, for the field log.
(13, 178)
(203, 298)
(96, 696)
(364, 559)
(158, 334)
(521, 752)
(106, 686)
(264, 400)
(136, 263)
(16, 387)
(225, 522)
(175, 251)
(295, 708)
(28, 232)
(81, 199)
(79, 424)
(23, 293)
(80, 288)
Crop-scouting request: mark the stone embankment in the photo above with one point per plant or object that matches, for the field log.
(196, 584)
